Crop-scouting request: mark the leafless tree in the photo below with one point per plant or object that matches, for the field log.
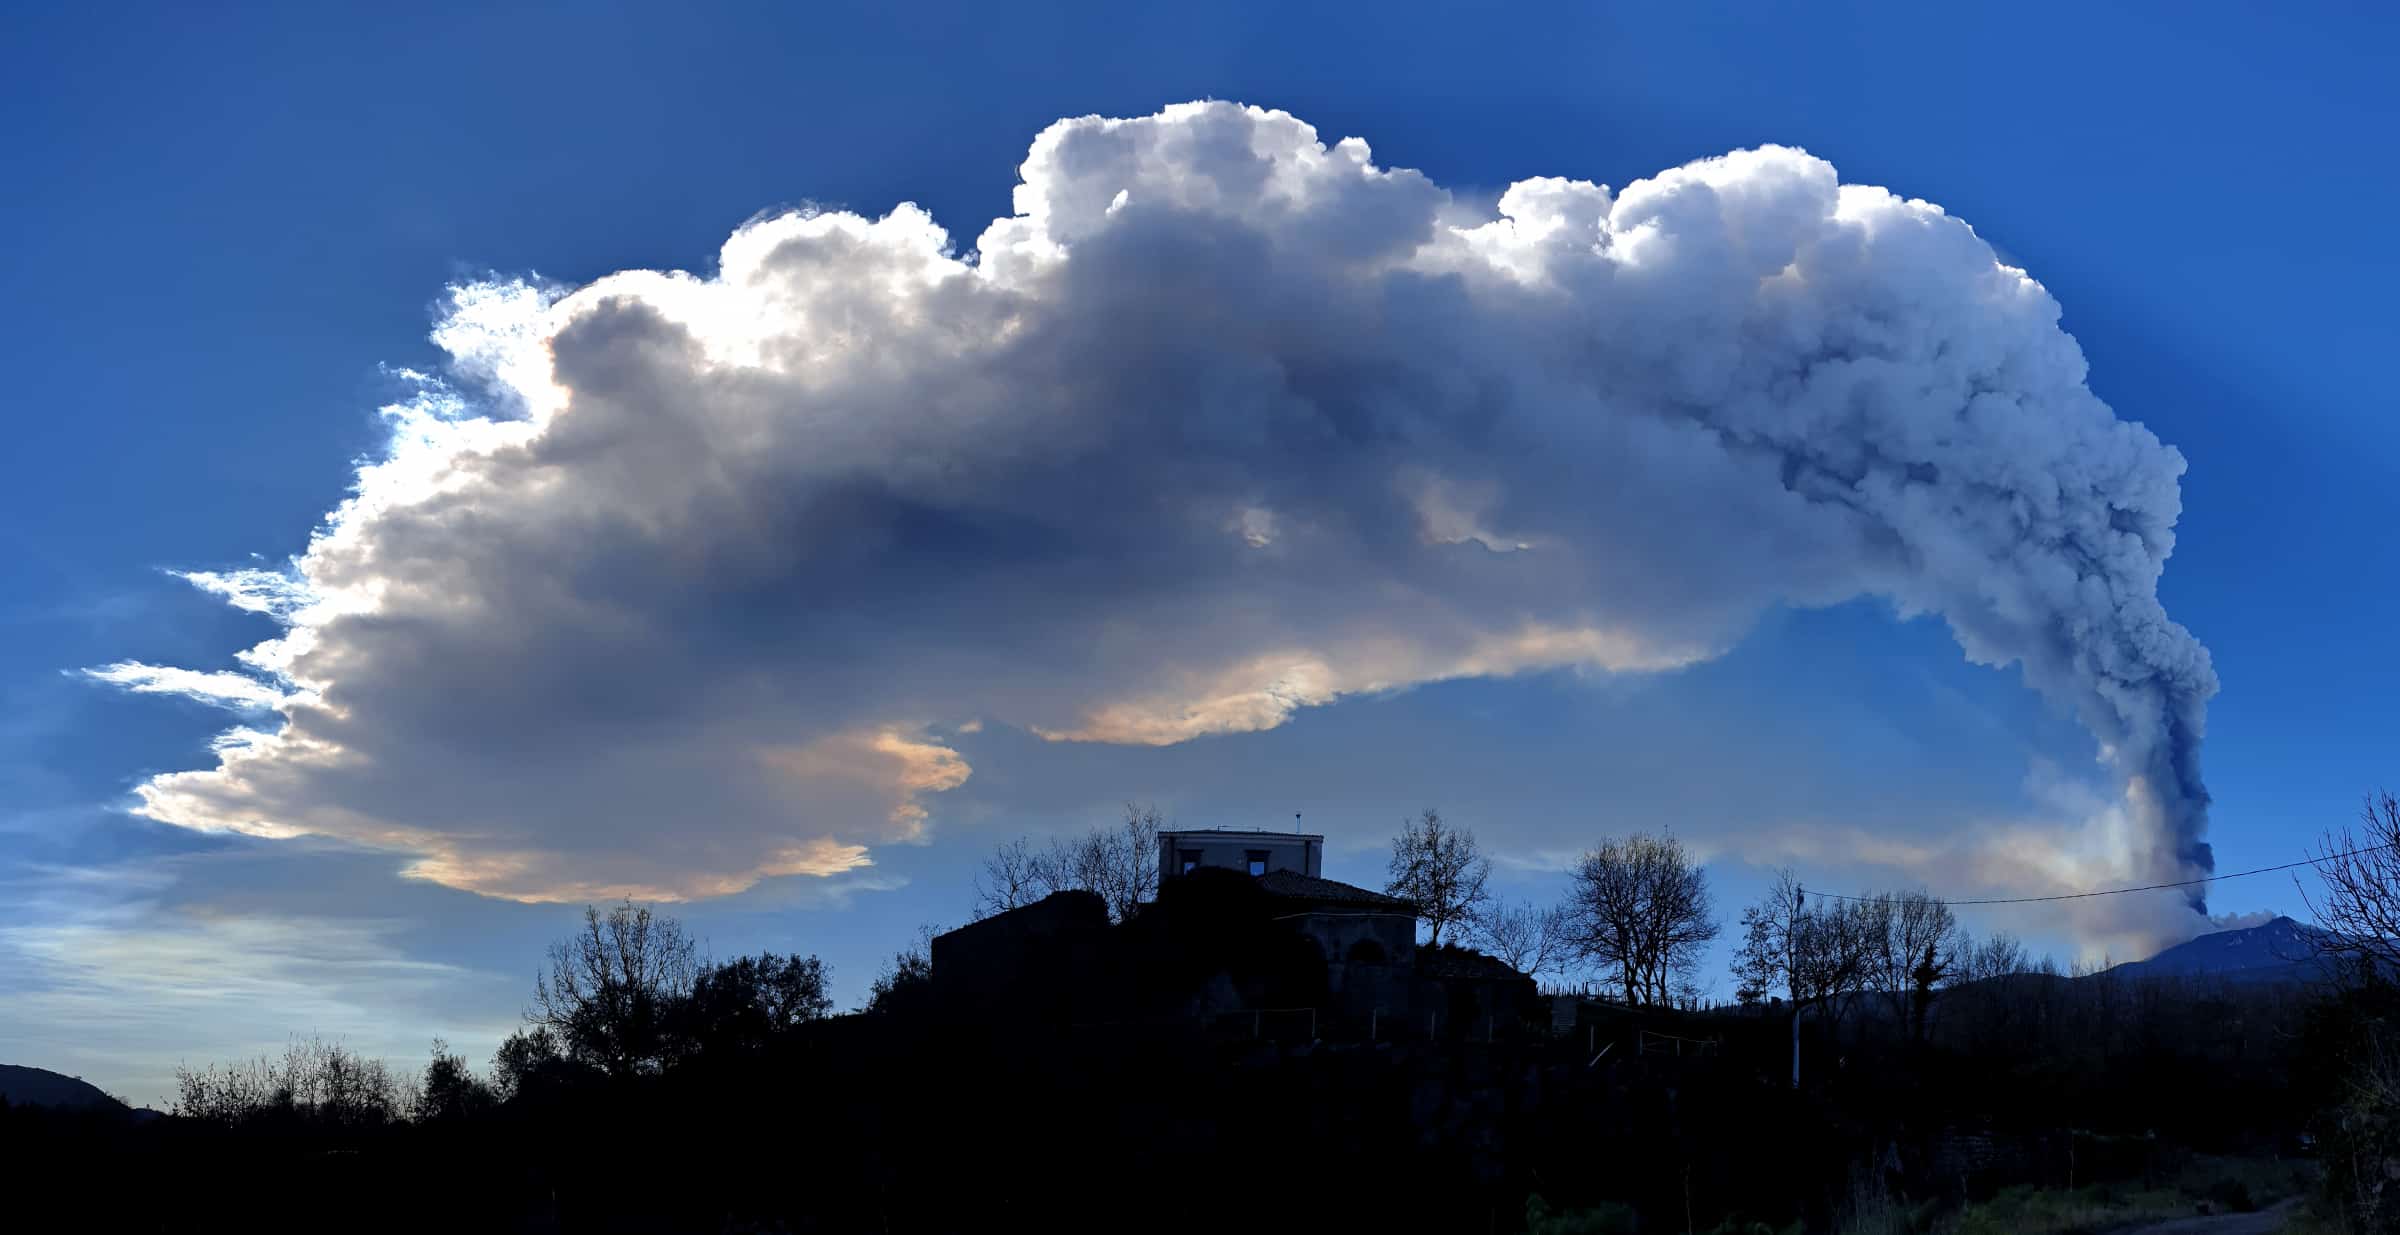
(1999, 955)
(319, 1082)
(609, 989)
(1129, 876)
(1120, 864)
(228, 1093)
(1438, 869)
(1639, 909)
(1013, 876)
(2358, 909)
(1814, 954)
(1531, 939)
(1916, 951)
(2359, 906)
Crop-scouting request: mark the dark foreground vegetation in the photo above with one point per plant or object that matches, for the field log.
(654, 1091)
(748, 1109)
(896, 1121)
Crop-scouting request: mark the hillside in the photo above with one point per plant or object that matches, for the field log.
(24, 1086)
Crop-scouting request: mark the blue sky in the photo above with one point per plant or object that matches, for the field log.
(235, 231)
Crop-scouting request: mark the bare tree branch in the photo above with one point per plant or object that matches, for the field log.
(1534, 941)
(2360, 904)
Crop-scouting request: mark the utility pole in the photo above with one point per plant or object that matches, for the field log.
(1791, 965)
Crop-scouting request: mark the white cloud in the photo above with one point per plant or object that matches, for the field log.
(672, 583)
(231, 690)
(252, 590)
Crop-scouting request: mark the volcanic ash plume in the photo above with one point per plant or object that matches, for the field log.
(677, 581)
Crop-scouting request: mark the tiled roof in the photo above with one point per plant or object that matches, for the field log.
(1291, 885)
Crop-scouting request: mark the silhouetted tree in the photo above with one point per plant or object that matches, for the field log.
(1916, 946)
(315, 1082)
(2360, 905)
(529, 1061)
(1814, 954)
(1640, 909)
(1438, 869)
(2359, 909)
(608, 991)
(1127, 875)
(1997, 955)
(1014, 875)
(1533, 940)
(450, 1089)
(747, 1003)
(1121, 864)
(906, 984)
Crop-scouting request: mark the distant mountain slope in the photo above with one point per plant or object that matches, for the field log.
(2279, 951)
(24, 1086)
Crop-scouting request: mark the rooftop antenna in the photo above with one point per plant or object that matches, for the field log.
(1295, 821)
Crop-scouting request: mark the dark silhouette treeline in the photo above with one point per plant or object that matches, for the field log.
(1105, 1050)
(655, 1091)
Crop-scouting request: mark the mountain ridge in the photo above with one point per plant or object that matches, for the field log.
(2283, 950)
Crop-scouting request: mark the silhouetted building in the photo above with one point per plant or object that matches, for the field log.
(1369, 939)
(1252, 853)
(1034, 958)
(1243, 922)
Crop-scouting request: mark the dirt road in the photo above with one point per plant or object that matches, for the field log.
(2265, 1222)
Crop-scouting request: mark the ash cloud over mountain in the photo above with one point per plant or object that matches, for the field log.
(673, 582)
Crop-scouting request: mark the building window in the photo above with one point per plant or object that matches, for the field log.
(1256, 859)
(1186, 861)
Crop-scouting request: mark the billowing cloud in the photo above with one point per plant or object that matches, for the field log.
(673, 580)
(2074, 842)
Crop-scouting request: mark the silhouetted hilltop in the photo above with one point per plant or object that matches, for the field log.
(24, 1086)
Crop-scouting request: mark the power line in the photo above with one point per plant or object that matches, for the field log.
(2152, 887)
